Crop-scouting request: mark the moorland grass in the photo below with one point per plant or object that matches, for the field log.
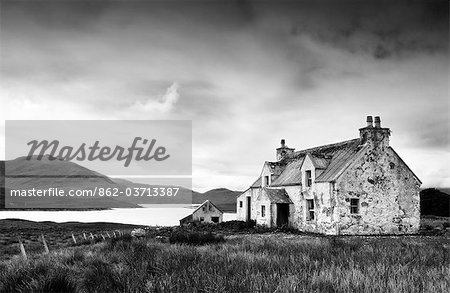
(250, 263)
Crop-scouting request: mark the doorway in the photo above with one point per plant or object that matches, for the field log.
(282, 214)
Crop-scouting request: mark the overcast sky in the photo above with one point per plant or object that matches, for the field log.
(246, 73)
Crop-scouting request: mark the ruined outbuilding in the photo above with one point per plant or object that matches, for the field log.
(358, 186)
(207, 212)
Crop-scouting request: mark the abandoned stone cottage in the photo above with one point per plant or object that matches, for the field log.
(359, 186)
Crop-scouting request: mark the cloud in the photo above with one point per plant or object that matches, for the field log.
(251, 73)
(378, 28)
(164, 103)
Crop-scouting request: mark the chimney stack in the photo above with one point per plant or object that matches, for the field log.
(369, 121)
(284, 150)
(377, 122)
(374, 134)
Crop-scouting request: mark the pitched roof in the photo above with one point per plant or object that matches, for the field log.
(331, 158)
(206, 201)
(291, 174)
(189, 217)
(186, 219)
(257, 183)
(276, 195)
(340, 160)
(328, 149)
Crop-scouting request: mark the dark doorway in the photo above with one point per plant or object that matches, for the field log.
(282, 214)
(249, 208)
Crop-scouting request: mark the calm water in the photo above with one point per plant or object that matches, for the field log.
(149, 215)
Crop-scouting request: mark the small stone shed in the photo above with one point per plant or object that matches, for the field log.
(358, 186)
(207, 212)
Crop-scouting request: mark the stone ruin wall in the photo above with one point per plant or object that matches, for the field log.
(388, 195)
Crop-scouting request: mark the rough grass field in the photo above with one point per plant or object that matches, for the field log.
(57, 235)
(243, 263)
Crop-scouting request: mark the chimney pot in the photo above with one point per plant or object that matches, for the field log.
(369, 121)
(377, 121)
(283, 142)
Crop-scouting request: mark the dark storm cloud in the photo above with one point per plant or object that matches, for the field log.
(380, 28)
(67, 14)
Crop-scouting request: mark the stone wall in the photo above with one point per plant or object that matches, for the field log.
(253, 193)
(388, 194)
(324, 205)
(207, 213)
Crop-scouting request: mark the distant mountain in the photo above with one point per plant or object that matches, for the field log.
(46, 173)
(22, 173)
(223, 198)
(435, 202)
(49, 166)
(444, 190)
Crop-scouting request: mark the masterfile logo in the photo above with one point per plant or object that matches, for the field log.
(114, 147)
(96, 152)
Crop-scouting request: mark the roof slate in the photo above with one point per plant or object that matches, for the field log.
(257, 183)
(276, 195)
(331, 158)
(276, 167)
(291, 174)
(340, 160)
(329, 149)
(320, 161)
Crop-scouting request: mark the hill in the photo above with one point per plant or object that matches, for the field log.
(65, 175)
(223, 198)
(434, 202)
(25, 174)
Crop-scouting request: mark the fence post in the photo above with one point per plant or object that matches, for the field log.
(45, 244)
(22, 249)
(74, 239)
(92, 236)
(103, 236)
(84, 235)
(108, 235)
(114, 233)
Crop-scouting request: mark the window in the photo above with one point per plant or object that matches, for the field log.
(263, 211)
(215, 219)
(310, 209)
(202, 219)
(204, 208)
(354, 206)
(240, 204)
(211, 208)
(267, 180)
(308, 179)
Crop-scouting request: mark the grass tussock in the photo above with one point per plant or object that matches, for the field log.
(258, 263)
(194, 238)
(434, 225)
